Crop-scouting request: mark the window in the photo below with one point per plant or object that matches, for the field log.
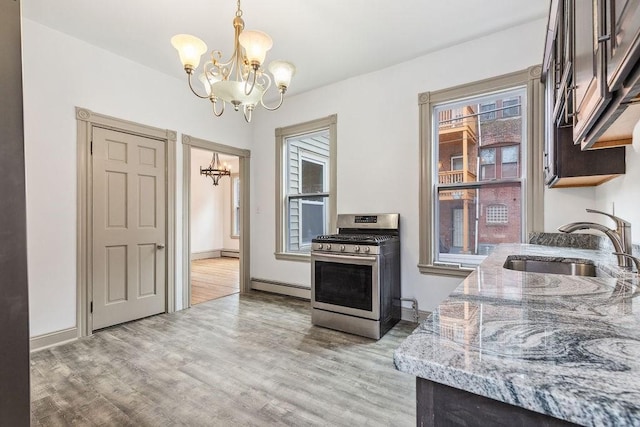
(510, 159)
(490, 109)
(456, 163)
(511, 107)
(306, 189)
(487, 163)
(497, 200)
(235, 206)
(497, 214)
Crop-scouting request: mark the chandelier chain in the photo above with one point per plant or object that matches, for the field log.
(239, 11)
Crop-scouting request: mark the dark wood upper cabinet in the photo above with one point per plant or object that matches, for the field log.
(589, 87)
(622, 34)
(579, 105)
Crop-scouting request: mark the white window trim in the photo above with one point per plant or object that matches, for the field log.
(331, 123)
(235, 219)
(534, 186)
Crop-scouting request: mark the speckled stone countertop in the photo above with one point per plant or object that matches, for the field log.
(564, 346)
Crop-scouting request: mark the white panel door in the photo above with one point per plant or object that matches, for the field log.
(129, 230)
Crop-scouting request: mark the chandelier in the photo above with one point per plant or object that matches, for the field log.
(241, 81)
(216, 170)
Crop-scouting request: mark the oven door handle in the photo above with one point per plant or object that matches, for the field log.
(346, 257)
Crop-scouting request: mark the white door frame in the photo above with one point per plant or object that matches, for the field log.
(86, 120)
(189, 142)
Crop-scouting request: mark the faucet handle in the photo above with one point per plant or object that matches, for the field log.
(620, 223)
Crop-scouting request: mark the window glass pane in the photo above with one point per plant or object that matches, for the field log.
(306, 219)
(467, 228)
(490, 108)
(456, 163)
(510, 154)
(312, 177)
(312, 221)
(473, 221)
(487, 156)
(307, 171)
(514, 109)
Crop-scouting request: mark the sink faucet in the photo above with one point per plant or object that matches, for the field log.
(620, 237)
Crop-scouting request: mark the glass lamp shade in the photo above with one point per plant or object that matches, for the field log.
(255, 44)
(233, 92)
(282, 72)
(207, 85)
(190, 49)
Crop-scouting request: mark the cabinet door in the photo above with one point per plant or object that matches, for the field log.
(623, 33)
(590, 91)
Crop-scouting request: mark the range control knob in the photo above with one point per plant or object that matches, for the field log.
(329, 246)
(320, 246)
(341, 248)
(357, 248)
(367, 249)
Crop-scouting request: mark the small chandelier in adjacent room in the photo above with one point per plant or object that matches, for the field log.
(216, 170)
(241, 81)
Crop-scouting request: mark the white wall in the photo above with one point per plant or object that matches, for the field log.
(378, 157)
(211, 206)
(622, 194)
(207, 206)
(60, 73)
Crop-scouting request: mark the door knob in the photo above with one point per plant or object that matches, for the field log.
(160, 246)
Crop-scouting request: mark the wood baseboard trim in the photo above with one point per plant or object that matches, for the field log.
(53, 339)
(282, 288)
(230, 253)
(217, 253)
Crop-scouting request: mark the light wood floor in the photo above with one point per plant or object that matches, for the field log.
(252, 360)
(214, 278)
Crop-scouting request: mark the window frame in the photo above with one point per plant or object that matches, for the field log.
(533, 209)
(281, 136)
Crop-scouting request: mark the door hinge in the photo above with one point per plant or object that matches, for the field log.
(91, 149)
(91, 307)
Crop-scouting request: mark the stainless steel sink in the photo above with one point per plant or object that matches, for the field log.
(535, 264)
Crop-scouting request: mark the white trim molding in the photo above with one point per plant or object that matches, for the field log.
(214, 253)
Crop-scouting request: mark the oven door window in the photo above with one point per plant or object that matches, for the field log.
(345, 285)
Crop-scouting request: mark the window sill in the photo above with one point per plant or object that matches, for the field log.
(287, 256)
(439, 270)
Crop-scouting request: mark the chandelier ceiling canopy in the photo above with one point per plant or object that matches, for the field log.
(216, 170)
(240, 81)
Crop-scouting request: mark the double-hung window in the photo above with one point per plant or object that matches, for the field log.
(306, 188)
(493, 194)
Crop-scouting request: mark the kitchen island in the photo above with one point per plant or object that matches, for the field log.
(517, 348)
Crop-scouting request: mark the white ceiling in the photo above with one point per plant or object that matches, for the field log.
(328, 40)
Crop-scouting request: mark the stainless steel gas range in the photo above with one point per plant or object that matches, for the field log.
(355, 275)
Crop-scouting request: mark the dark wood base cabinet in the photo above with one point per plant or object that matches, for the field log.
(443, 406)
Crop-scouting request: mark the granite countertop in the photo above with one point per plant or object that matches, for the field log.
(564, 346)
